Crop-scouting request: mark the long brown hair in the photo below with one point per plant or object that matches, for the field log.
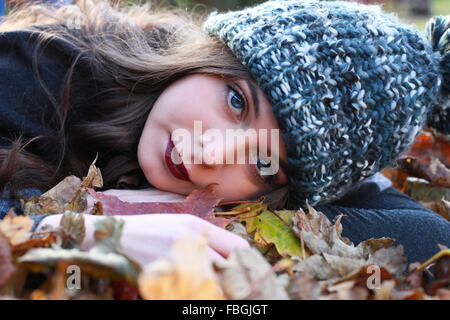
(133, 52)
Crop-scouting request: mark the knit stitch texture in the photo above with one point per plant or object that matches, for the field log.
(350, 85)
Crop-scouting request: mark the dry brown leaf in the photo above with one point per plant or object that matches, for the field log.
(392, 258)
(346, 291)
(67, 195)
(247, 275)
(16, 229)
(189, 276)
(320, 236)
(93, 178)
(72, 229)
(43, 242)
(302, 286)
(64, 191)
(336, 257)
(430, 169)
(6, 266)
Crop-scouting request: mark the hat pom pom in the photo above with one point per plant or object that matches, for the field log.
(437, 32)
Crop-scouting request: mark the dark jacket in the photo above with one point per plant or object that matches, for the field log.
(371, 211)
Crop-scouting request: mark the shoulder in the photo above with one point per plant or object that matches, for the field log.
(34, 68)
(377, 192)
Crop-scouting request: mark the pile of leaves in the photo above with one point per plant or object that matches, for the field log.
(423, 172)
(293, 254)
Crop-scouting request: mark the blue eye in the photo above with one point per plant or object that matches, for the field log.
(236, 100)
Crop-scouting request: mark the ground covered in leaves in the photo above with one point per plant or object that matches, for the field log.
(294, 254)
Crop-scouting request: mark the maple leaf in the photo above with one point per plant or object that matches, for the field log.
(321, 236)
(189, 276)
(200, 202)
(335, 256)
(271, 227)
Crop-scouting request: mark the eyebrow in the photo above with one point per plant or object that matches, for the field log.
(254, 97)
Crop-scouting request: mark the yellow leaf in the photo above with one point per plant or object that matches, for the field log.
(189, 276)
(271, 227)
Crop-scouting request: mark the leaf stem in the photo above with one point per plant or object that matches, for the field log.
(441, 253)
(233, 213)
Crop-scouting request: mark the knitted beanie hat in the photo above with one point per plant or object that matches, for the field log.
(350, 85)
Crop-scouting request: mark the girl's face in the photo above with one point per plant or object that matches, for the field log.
(217, 106)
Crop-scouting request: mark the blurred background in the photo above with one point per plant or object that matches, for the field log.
(410, 11)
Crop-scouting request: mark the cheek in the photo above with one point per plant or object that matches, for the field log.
(228, 189)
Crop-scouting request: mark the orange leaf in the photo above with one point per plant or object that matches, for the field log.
(16, 229)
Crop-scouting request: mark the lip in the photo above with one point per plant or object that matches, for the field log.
(178, 170)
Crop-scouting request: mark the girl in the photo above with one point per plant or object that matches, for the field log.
(347, 86)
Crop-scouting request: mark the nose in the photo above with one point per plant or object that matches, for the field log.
(220, 147)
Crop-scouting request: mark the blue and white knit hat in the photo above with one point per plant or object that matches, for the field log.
(350, 85)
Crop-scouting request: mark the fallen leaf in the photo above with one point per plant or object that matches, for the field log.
(72, 229)
(64, 191)
(67, 195)
(271, 227)
(93, 177)
(16, 229)
(321, 236)
(430, 145)
(44, 242)
(189, 276)
(6, 266)
(200, 202)
(426, 192)
(430, 169)
(347, 291)
(397, 177)
(123, 290)
(103, 260)
(330, 268)
(392, 259)
(302, 286)
(247, 275)
(334, 256)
